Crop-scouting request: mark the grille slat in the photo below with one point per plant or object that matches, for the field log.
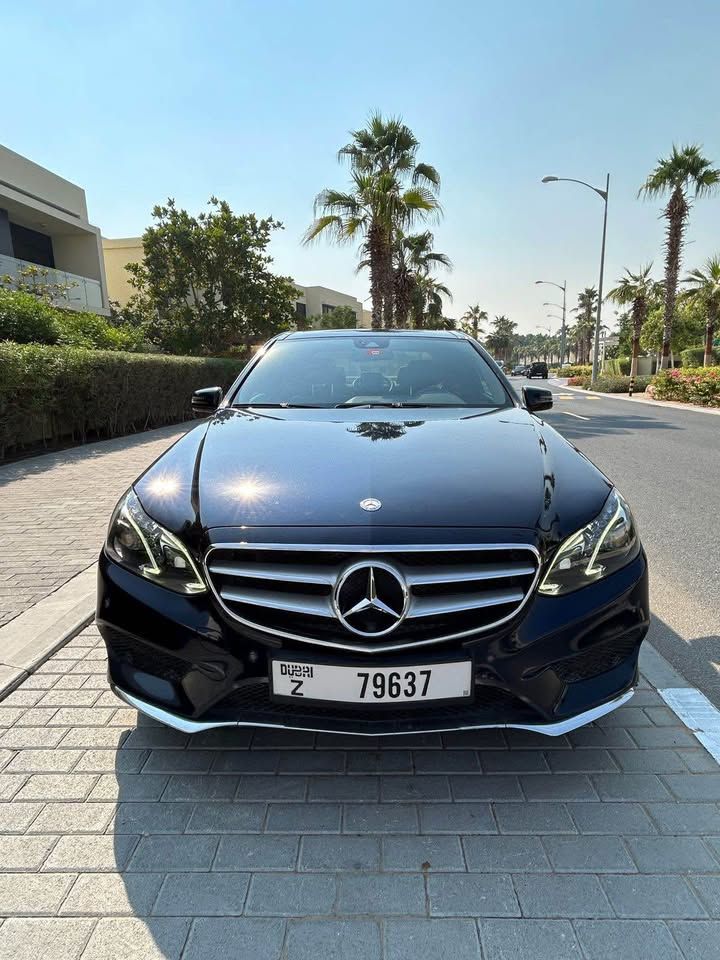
(453, 590)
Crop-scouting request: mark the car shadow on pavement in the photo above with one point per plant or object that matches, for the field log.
(271, 843)
(696, 658)
(605, 425)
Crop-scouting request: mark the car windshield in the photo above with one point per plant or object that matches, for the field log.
(384, 370)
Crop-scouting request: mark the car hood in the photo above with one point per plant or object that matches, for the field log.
(433, 468)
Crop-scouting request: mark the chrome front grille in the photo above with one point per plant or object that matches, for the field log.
(288, 590)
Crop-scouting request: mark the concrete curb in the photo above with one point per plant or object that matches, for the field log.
(638, 398)
(35, 635)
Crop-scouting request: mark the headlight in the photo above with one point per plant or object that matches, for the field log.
(605, 545)
(136, 542)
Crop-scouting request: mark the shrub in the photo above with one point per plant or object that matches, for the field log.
(80, 329)
(699, 385)
(577, 370)
(694, 356)
(51, 395)
(579, 381)
(26, 319)
(620, 384)
(619, 367)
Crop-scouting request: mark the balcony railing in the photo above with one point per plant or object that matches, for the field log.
(73, 291)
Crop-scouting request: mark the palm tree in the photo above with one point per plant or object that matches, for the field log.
(384, 152)
(637, 290)
(472, 319)
(427, 305)
(585, 325)
(502, 337)
(686, 171)
(414, 260)
(372, 209)
(705, 287)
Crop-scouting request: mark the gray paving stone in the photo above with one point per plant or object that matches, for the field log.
(663, 737)
(52, 939)
(171, 852)
(426, 787)
(291, 895)
(589, 855)
(88, 853)
(505, 854)
(701, 819)
(57, 786)
(380, 761)
(303, 818)
(672, 855)
(639, 939)
(709, 890)
(383, 894)
(566, 786)
(474, 787)
(33, 894)
(256, 852)
(649, 761)
(472, 895)
(69, 818)
(629, 786)
(312, 761)
(457, 818)
(195, 787)
(629, 716)
(19, 738)
(10, 784)
(260, 787)
(607, 737)
(694, 786)
(698, 939)
(533, 818)
(446, 761)
(111, 761)
(380, 818)
(513, 761)
(340, 787)
(129, 786)
(44, 761)
(334, 940)
(129, 938)
(528, 740)
(283, 739)
(179, 761)
(642, 896)
(561, 895)
(213, 938)
(414, 854)
(246, 761)
(156, 738)
(227, 818)
(152, 818)
(24, 853)
(91, 738)
(334, 853)
(581, 761)
(431, 939)
(202, 895)
(623, 819)
(529, 940)
(698, 761)
(224, 738)
(110, 894)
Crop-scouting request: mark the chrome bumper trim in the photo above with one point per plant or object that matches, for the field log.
(197, 726)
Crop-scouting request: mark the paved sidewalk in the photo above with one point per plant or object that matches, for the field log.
(54, 511)
(121, 839)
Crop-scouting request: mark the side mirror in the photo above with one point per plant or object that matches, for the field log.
(537, 399)
(206, 401)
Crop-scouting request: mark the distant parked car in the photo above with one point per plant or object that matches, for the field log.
(537, 369)
(519, 370)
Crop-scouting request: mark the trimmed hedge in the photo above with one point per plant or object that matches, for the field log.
(576, 370)
(621, 384)
(699, 385)
(694, 356)
(59, 395)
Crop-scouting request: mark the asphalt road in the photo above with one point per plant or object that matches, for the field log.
(666, 462)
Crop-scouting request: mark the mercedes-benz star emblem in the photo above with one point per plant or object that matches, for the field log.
(371, 504)
(371, 598)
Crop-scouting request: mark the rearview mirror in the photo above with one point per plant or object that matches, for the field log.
(206, 401)
(537, 399)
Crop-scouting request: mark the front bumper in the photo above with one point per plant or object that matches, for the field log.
(565, 662)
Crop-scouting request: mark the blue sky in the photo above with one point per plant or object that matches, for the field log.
(250, 101)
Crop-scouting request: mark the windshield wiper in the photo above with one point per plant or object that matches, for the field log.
(280, 406)
(369, 403)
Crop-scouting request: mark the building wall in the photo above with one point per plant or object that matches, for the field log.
(39, 185)
(117, 254)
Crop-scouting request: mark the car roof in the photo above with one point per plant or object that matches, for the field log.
(368, 332)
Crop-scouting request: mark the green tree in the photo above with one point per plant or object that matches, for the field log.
(704, 290)
(415, 260)
(389, 191)
(584, 327)
(687, 329)
(501, 339)
(640, 292)
(472, 320)
(205, 281)
(337, 319)
(685, 174)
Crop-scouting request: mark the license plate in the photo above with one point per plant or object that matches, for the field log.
(369, 684)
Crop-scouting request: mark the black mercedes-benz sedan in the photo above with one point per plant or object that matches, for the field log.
(370, 532)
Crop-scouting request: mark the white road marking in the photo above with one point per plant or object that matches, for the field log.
(698, 714)
(576, 415)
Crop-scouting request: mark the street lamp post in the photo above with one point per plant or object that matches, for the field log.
(562, 287)
(604, 195)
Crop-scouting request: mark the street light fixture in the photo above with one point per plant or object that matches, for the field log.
(562, 287)
(603, 194)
